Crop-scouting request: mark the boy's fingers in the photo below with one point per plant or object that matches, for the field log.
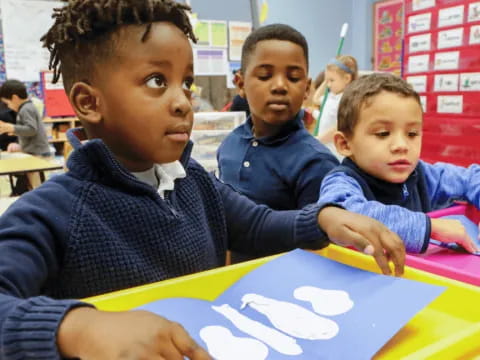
(186, 345)
(395, 251)
(469, 244)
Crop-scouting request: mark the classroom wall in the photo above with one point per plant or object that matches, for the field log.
(320, 21)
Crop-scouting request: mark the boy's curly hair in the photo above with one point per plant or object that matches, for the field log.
(82, 33)
(361, 93)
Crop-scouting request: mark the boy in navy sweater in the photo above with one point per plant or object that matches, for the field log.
(380, 134)
(134, 208)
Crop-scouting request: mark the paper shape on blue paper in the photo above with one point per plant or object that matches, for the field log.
(470, 227)
(382, 306)
(291, 318)
(324, 301)
(223, 345)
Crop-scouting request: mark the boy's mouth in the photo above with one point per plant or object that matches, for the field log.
(401, 164)
(278, 105)
(179, 133)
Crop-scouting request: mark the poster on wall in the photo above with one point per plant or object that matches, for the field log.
(237, 33)
(24, 55)
(387, 36)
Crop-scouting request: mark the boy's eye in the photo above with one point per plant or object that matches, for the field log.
(382, 134)
(156, 82)
(187, 83)
(413, 133)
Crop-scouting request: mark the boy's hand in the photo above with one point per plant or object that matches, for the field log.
(449, 230)
(6, 127)
(14, 147)
(366, 234)
(90, 334)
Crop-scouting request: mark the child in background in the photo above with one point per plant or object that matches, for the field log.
(29, 125)
(272, 158)
(133, 207)
(380, 134)
(312, 104)
(339, 73)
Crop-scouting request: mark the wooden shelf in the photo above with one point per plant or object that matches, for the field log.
(60, 120)
(56, 140)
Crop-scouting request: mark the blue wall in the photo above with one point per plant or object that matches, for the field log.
(320, 21)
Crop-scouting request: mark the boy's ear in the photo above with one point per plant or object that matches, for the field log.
(241, 84)
(85, 100)
(307, 91)
(342, 144)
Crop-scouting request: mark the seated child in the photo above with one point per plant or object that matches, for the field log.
(339, 73)
(29, 125)
(272, 158)
(133, 207)
(380, 134)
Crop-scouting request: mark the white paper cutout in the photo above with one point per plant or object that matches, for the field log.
(447, 60)
(419, 83)
(450, 16)
(450, 104)
(223, 345)
(278, 341)
(291, 318)
(325, 302)
(418, 23)
(474, 12)
(446, 82)
(450, 38)
(470, 82)
(420, 42)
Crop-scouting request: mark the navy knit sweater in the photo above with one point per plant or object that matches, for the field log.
(98, 229)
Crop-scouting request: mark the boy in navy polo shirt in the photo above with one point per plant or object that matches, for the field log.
(272, 158)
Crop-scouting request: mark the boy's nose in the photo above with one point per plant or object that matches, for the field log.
(399, 144)
(181, 104)
(279, 85)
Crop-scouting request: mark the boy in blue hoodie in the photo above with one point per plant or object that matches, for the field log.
(380, 134)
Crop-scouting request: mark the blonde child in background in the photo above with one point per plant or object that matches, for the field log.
(339, 73)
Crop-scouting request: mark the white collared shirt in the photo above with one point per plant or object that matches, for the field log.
(162, 176)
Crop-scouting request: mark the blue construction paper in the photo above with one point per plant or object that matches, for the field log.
(382, 304)
(472, 231)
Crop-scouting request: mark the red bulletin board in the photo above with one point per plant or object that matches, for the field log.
(387, 35)
(442, 62)
(55, 98)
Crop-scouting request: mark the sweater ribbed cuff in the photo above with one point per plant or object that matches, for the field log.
(428, 234)
(30, 331)
(307, 229)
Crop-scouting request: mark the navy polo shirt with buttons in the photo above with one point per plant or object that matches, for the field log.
(282, 171)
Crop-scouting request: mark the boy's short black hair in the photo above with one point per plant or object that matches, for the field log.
(360, 93)
(81, 36)
(272, 32)
(13, 87)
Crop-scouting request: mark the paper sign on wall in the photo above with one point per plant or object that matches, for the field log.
(474, 35)
(450, 38)
(423, 101)
(237, 33)
(447, 60)
(451, 16)
(474, 12)
(210, 61)
(420, 43)
(470, 82)
(418, 23)
(446, 82)
(422, 4)
(418, 63)
(419, 83)
(450, 104)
